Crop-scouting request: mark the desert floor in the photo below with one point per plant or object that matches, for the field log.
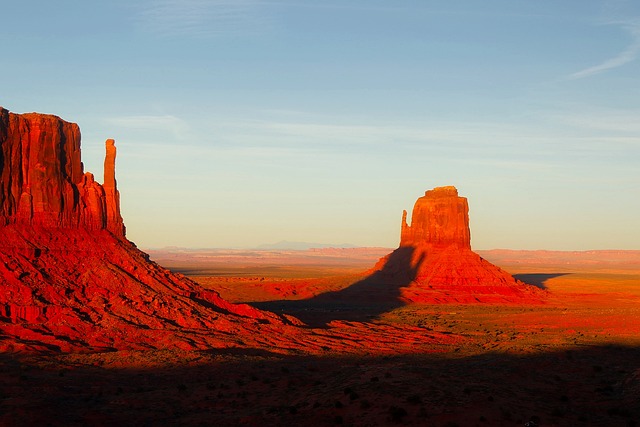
(573, 360)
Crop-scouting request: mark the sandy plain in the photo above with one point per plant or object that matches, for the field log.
(573, 360)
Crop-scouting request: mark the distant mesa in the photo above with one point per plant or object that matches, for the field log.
(71, 281)
(435, 263)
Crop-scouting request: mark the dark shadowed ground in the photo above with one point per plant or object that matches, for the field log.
(593, 386)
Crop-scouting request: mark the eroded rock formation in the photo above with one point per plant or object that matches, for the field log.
(435, 263)
(71, 281)
(43, 180)
(439, 219)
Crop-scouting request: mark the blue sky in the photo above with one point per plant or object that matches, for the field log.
(252, 121)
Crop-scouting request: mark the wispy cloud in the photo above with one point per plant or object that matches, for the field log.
(627, 55)
(201, 18)
(453, 140)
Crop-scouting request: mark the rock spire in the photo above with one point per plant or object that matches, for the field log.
(42, 181)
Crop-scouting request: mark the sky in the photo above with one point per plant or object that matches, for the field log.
(245, 122)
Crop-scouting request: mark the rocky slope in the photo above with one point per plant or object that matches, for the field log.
(71, 281)
(435, 263)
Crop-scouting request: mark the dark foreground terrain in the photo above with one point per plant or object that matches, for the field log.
(584, 385)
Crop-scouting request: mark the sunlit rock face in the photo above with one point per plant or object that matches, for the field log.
(71, 281)
(43, 182)
(440, 219)
(435, 263)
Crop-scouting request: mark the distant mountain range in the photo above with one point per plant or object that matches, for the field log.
(301, 246)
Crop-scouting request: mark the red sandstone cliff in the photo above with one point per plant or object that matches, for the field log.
(70, 280)
(439, 219)
(43, 181)
(435, 263)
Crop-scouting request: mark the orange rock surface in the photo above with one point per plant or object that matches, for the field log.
(43, 180)
(435, 263)
(440, 219)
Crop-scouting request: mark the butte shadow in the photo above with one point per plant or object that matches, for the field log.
(377, 293)
(434, 264)
(538, 280)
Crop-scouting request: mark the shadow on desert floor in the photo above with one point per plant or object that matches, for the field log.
(595, 386)
(361, 301)
(537, 279)
(369, 298)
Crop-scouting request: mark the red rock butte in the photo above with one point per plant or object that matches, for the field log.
(43, 182)
(71, 281)
(435, 263)
(439, 219)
